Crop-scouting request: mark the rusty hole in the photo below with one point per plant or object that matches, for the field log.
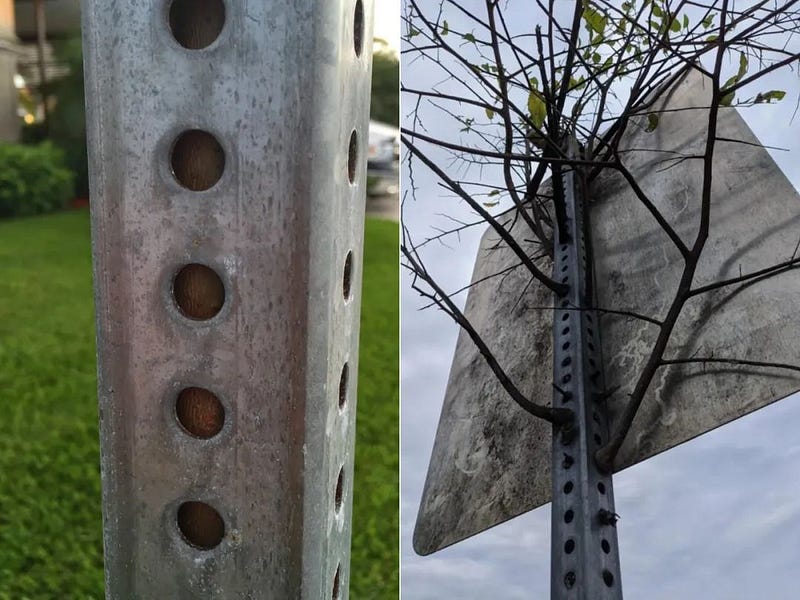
(339, 495)
(352, 157)
(199, 412)
(348, 272)
(198, 292)
(196, 23)
(358, 27)
(197, 160)
(200, 525)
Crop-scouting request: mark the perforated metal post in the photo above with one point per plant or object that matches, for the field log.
(585, 555)
(228, 174)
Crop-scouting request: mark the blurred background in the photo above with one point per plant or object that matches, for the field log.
(50, 519)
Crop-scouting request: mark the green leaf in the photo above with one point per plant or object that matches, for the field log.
(627, 6)
(469, 37)
(595, 20)
(742, 66)
(708, 21)
(413, 32)
(445, 28)
(727, 99)
(537, 108)
(490, 204)
(652, 122)
(657, 12)
(577, 84)
(596, 58)
(490, 113)
(769, 96)
(675, 25)
(686, 21)
(494, 193)
(712, 38)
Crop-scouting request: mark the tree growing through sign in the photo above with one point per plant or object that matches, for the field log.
(591, 71)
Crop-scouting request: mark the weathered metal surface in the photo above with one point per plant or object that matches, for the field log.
(491, 461)
(281, 89)
(584, 562)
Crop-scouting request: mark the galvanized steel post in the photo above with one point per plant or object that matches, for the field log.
(228, 174)
(584, 553)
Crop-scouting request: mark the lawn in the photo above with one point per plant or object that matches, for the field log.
(50, 523)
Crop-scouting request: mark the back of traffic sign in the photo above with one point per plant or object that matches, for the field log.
(491, 460)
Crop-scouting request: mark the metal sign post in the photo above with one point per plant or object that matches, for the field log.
(584, 552)
(228, 174)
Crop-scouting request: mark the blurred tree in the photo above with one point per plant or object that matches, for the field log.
(385, 87)
(67, 122)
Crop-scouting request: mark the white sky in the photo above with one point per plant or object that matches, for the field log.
(387, 22)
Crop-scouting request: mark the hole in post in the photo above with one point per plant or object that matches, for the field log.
(605, 546)
(198, 292)
(197, 160)
(199, 412)
(343, 387)
(335, 592)
(565, 346)
(200, 525)
(601, 487)
(348, 271)
(339, 490)
(566, 362)
(565, 317)
(597, 439)
(608, 578)
(196, 23)
(565, 331)
(569, 546)
(568, 487)
(358, 27)
(568, 516)
(569, 580)
(352, 157)
(566, 378)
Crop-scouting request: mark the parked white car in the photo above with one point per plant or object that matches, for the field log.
(384, 150)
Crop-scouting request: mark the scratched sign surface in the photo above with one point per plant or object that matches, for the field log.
(491, 460)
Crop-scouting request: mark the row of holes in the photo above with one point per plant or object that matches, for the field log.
(198, 163)
(352, 161)
(570, 577)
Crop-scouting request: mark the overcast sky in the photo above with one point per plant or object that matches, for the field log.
(717, 518)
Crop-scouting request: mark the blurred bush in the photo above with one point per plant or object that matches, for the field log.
(33, 179)
(385, 105)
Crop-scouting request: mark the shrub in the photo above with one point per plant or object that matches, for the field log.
(33, 180)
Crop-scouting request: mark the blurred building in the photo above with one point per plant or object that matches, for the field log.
(20, 71)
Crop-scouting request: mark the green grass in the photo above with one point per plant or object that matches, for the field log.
(50, 523)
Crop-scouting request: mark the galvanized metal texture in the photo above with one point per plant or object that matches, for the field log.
(476, 478)
(584, 561)
(228, 146)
